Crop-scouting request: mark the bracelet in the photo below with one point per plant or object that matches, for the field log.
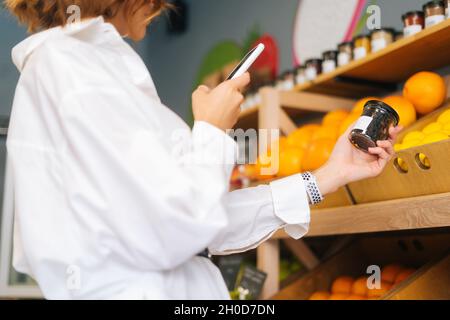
(314, 194)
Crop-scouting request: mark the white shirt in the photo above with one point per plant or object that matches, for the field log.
(105, 206)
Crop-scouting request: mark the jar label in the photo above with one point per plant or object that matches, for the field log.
(288, 85)
(311, 73)
(363, 123)
(412, 30)
(328, 66)
(343, 59)
(378, 44)
(432, 20)
(300, 79)
(360, 53)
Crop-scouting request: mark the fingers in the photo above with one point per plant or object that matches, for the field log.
(387, 146)
(393, 132)
(380, 152)
(240, 82)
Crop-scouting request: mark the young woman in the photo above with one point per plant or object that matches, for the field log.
(105, 206)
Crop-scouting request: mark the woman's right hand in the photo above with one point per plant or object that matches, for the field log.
(220, 106)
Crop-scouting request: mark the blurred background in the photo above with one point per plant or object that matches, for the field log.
(175, 57)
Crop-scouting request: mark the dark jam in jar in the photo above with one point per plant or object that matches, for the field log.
(373, 125)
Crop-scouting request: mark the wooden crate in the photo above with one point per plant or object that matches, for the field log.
(394, 183)
(420, 251)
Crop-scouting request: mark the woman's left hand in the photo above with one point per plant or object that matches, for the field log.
(348, 164)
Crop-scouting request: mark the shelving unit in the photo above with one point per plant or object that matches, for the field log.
(377, 74)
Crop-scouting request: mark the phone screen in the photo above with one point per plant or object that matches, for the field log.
(248, 55)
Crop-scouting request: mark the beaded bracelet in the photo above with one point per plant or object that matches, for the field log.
(315, 197)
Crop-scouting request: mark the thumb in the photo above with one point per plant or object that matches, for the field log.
(241, 82)
(203, 89)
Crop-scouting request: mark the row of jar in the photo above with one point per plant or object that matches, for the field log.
(414, 22)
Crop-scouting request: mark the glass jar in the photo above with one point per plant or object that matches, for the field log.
(329, 62)
(279, 82)
(413, 22)
(288, 80)
(381, 38)
(447, 10)
(313, 68)
(373, 125)
(361, 46)
(300, 75)
(345, 53)
(434, 13)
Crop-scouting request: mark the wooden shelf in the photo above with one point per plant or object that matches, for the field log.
(424, 212)
(378, 72)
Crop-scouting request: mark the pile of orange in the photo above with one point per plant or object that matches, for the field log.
(348, 288)
(433, 132)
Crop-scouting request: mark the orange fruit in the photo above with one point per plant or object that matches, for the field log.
(338, 296)
(302, 136)
(320, 295)
(352, 118)
(318, 154)
(359, 105)
(378, 293)
(326, 132)
(426, 91)
(389, 272)
(356, 297)
(405, 274)
(290, 161)
(404, 108)
(335, 118)
(342, 285)
(359, 287)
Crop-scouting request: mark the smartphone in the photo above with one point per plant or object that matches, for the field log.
(247, 62)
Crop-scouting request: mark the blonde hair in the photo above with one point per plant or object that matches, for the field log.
(44, 14)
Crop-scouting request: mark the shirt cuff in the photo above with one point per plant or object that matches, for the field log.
(214, 146)
(291, 205)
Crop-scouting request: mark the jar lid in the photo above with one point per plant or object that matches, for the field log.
(330, 54)
(315, 60)
(434, 3)
(385, 107)
(388, 30)
(346, 43)
(364, 35)
(300, 67)
(413, 13)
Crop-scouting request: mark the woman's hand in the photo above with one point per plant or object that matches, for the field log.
(220, 106)
(348, 164)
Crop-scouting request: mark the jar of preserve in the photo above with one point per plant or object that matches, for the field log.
(361, 46)
(329, 62)
(381, 38)
(373, 125)
(434, 13)
(279, 82)
(413, 22)
(447, 11)
(345, 53)
(313, 68)
(288, 80)
(300, 75)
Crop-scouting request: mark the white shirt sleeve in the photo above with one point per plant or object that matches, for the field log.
(149, 208)
(255, 214)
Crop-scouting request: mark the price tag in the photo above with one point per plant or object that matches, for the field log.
(250, 283)
(229, 266)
